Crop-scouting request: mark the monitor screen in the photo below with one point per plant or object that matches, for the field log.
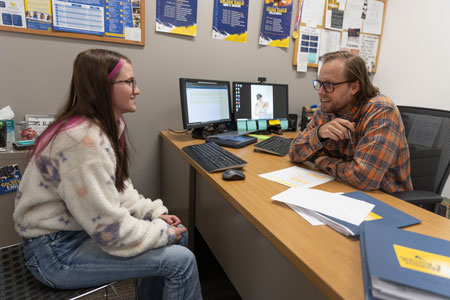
(260, 101)
(204, 102)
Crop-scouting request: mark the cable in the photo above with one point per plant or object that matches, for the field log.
(178, 131)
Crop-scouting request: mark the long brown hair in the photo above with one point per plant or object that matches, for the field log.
(90, 97)
(354, 70)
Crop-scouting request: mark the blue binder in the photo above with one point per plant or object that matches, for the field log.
(413, 262)
(381, 213)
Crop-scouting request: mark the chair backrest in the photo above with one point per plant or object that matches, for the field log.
(428, 135)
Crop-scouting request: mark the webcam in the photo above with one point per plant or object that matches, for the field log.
(262, 80)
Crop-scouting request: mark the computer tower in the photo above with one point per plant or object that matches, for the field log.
(292, 122)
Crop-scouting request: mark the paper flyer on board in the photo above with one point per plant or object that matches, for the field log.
(334, 15)
(132, 21)
(373, 18)
(114, 25)
(12, 13)
(38, 14)
(312, 12)
(177, 16)
(308, 47)
(81, 16)
(230, 20)
(276, 23)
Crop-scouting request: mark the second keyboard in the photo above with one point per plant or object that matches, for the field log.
(275, 144)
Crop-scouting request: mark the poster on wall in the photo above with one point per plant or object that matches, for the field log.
(12, 13)
(177, 16)
(276, 23)
(230, 20)
(82, 16)
(38, 14)
(114, 18)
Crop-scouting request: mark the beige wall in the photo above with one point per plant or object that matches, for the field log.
(414, 68)
(35, 73)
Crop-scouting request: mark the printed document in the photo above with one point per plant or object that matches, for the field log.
(297, 177)
(338, 206)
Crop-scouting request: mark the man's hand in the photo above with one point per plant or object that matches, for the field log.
(336, 129)
(171, 220)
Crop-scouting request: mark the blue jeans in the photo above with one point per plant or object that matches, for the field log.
(72, 260)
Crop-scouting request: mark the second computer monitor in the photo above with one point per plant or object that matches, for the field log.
(260, 101)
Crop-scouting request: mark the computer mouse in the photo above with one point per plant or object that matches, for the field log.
(233, 174)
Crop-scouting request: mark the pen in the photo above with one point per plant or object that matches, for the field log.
(350, 136)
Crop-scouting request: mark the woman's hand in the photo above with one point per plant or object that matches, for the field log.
(171, 220)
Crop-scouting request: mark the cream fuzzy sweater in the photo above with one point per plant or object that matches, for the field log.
(71, 186)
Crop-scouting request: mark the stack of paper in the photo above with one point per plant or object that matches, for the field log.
(399, 264)
(315, 214)
(381, 213)
(337, 206)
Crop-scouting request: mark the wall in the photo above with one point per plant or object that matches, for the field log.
(35, 73)
(414, 68)
(35, 70)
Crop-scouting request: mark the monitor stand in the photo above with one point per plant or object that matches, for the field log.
(197, 133)
(213, 129)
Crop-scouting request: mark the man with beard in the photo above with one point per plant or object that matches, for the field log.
(356, 134)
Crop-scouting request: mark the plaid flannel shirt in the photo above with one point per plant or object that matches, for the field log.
(379, 156)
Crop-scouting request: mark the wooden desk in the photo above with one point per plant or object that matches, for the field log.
(266, 249)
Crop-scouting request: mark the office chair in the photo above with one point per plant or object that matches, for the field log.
(428, 135)
(17, 282)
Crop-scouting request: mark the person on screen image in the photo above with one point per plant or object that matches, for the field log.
(82, 222)
(356, 134)
(261, 107)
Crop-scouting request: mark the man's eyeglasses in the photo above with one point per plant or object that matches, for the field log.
(128, 81)
(327, 86)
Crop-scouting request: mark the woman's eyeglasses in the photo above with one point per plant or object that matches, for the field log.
(128, 81)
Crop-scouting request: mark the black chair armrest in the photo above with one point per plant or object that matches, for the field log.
(419, 197)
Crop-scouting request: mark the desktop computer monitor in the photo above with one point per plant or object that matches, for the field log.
(204, 103)
(260, 101)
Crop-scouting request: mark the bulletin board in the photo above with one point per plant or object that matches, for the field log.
(330, 25)
(41, 17)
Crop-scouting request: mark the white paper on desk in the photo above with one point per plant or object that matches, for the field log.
(341, 207)
(297, 177)
(310, 216)
(306, 214)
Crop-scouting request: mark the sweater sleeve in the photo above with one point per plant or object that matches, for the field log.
(92, 198)
(139, 206)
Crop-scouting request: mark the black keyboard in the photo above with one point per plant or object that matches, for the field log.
(275, 144)
(214, 158)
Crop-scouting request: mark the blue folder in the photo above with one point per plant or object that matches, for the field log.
(381, 213)
(411, 261)
(365, 269)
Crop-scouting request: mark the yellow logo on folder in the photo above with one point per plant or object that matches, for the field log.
(373, 216)
(425, 262)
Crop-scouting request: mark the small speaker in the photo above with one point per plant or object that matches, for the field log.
(292, 122)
